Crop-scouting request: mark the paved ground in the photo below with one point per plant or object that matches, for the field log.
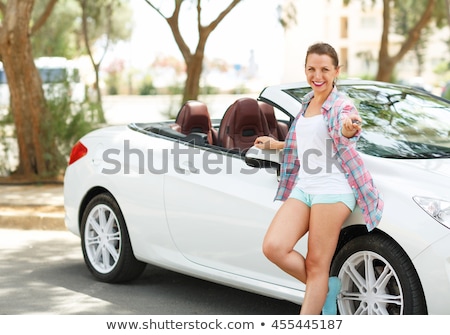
(32, 207)
(43, 260)
(43, 272)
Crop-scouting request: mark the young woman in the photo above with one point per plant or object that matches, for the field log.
(322, 178)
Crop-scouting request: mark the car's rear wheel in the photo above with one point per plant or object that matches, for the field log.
(377, 278)
(105, 242)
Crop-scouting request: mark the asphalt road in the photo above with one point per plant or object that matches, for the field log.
(43, 272)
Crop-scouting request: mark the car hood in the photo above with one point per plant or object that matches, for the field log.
(438, 166)
(426, 177)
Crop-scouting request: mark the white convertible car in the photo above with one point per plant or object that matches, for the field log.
(192, 195)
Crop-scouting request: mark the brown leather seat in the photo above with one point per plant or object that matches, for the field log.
(241, 124)
(194, 117)
(277, 129)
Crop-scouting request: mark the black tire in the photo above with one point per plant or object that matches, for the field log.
(377, 278)
(105, 242)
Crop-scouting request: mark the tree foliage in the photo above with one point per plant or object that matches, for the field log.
(103, 22)
(58, 36)
(409, 18)
(287, 14)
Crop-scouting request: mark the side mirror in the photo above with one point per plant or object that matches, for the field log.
(263, 158)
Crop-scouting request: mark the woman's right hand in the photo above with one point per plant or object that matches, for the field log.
(267, 142)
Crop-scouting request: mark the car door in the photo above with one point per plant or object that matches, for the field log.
(218, 209)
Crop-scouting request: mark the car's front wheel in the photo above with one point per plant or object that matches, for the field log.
(105, 242)
(377, 278)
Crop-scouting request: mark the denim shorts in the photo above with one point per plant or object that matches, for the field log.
(310, 199)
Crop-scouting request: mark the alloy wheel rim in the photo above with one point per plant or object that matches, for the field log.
(102, 239)
(370, 286)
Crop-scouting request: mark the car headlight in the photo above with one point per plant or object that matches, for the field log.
(438, 209)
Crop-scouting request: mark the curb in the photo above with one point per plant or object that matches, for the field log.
(32, 217)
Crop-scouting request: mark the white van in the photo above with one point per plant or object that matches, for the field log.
(4, 90)
(54, 71)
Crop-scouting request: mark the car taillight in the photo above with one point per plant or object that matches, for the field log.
(78, 151)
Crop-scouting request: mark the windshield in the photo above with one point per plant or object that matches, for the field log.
(398, 122)
(53, 75)
(2, 77)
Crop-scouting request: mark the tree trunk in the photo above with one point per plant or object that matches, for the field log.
(387, 63)
(194, 71)
(385, 69)
(194, 62)
(38, 155)
(96, 66)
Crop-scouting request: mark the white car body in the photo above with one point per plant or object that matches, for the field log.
(207, 214)
(4, 90)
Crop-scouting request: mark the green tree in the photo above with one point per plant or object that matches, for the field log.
(103, 22)
(45, 129)
(193, 59)
(411, 22)
(59, 36)
(404, 19)
(38, 152)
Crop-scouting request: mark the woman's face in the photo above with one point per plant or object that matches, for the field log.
(320, 72)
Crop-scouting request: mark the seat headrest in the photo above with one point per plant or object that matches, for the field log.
(242, 123)
(268, 112)
(249, 116)
(194, 117)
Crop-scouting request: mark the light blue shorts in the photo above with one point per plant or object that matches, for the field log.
(310, 199)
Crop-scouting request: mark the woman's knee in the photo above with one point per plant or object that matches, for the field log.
(315, 264)
(268, 248)
(273, 249)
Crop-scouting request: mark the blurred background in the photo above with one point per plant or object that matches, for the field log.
(69, 66)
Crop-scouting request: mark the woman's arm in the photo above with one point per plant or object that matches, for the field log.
(267, 142)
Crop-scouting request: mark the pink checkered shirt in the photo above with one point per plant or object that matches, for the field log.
(367, 195)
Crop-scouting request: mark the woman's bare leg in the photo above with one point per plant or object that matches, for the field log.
(288, 225)
(324, 227)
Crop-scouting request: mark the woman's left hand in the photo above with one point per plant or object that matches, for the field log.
(351, 125)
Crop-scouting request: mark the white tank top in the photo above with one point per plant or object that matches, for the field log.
(320, 172)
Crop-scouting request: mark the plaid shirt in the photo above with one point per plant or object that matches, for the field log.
(333, 110)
